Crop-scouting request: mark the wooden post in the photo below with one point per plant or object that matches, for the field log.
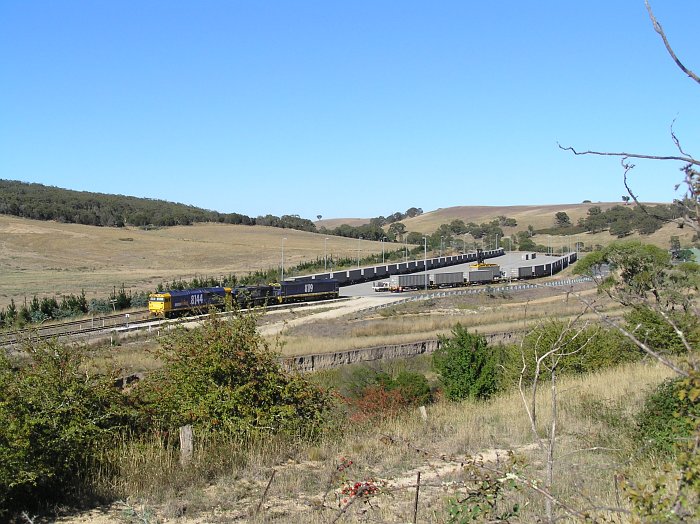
(415, 504)
(186, 444)
(423, 413)
(267, 488)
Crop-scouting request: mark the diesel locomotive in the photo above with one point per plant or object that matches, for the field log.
(175, 302)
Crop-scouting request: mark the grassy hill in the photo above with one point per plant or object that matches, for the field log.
(540, 217)
(47, 258)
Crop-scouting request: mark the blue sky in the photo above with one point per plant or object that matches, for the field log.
(345, 109)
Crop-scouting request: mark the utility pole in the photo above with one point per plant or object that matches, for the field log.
(282, 279)
(425, 260)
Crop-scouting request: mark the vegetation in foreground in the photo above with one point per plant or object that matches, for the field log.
(75, 438)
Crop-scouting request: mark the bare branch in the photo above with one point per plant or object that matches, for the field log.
(676, 141)
(659, 29)
(688, 159)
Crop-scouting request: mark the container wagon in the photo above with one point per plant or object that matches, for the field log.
(447, 279)
(481, 276)
(288, 292)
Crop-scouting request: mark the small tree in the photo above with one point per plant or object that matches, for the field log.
(467, 366)
(222, 377)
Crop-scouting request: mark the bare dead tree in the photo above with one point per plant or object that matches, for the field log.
(570, 340)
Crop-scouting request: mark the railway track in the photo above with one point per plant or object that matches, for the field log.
(108, 325)
(74, 327)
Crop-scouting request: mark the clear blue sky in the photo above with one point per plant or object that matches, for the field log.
(341, 108)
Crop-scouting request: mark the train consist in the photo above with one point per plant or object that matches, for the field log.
(479, 273)
(173, 303)
(484, 274)
(348, 277)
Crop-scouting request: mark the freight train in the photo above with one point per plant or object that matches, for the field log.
(483, 274)
(479, 273)
(175, 302)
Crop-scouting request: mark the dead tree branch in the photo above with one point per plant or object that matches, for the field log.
(660, 31)
(684, 158)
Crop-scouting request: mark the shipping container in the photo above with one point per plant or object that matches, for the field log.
(447, 279)
(354, 276)
(384, 271)
(479, 276)
(340, 276)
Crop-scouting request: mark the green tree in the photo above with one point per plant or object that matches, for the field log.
(397, 229)
(561, 219)
(467, 366)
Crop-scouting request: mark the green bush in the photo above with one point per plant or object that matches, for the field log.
(54, 420)
(222, 377)
(412, 387)
(467, 366)
(652, 329)
(579, 351)
(666, 418)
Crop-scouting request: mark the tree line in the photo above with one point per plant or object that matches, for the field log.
(40, 202)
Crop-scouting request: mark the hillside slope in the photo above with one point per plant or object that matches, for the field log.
(46, 258)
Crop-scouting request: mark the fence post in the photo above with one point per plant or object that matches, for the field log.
(415, 503)
(186, 445)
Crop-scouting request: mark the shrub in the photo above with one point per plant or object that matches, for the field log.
(222, 377)
(370, 392)
(375, 401)
(55, 419)
(467, 366)
(580, 350)
(667, 417)
(655, 331)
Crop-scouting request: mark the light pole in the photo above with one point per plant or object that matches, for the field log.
(325, 255)
(441, 244)
(282, 279)
(383, 240)
(358, 251)
(425, 260)
(496, 241)
(405, 250)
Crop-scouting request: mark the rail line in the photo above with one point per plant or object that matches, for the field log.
(110, 325)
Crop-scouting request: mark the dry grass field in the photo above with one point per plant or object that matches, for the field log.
(48, 258)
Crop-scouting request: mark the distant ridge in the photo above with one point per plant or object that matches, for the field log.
(40, 202)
